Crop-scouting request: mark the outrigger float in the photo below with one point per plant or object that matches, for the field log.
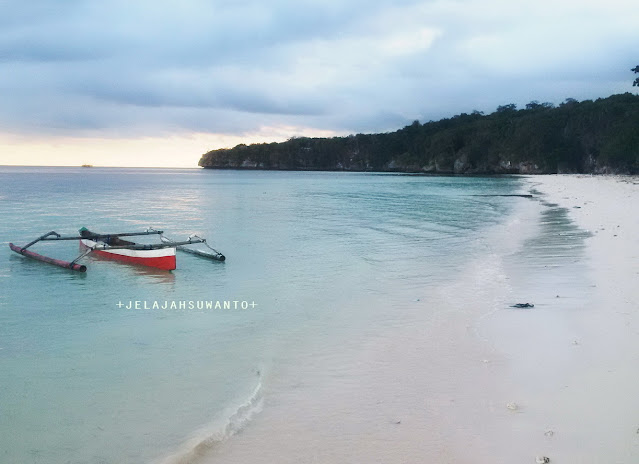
(112, 246)
(211, 253)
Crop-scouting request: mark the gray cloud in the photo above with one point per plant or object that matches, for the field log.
(144, 67)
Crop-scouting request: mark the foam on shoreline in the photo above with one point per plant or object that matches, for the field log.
(411, 390)
(229, 423)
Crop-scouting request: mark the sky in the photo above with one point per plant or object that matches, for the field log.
(159, 83)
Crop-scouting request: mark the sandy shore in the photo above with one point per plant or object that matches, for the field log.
(583, 367)
(569, 365)
(465, 378)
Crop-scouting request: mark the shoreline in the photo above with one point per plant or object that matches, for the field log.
(486, 383)
(568, 364)
(594, 393)
(403, 391)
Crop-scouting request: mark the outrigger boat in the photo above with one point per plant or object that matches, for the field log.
(112, 246)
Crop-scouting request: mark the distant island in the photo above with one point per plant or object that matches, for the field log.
(600, 136)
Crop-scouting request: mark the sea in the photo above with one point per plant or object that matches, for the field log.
(288, 345)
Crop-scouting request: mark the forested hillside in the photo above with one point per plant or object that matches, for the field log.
(600, 136)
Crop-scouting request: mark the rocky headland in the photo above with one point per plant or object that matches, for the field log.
(599, 137)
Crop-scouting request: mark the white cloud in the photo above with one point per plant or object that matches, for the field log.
(126, 69)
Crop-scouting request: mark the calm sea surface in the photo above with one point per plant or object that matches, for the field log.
(84, 379)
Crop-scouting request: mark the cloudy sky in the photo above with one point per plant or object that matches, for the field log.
(158, 83)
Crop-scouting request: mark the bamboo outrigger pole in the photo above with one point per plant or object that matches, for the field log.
(90, 236)
(57, 262)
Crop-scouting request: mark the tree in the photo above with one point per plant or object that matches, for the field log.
(635, 70)
(506, 108)
(535, 105)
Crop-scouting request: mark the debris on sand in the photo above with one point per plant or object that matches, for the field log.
(523, 305)
(542, 460)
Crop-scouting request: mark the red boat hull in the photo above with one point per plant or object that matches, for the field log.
(167, 263)
(163, 258)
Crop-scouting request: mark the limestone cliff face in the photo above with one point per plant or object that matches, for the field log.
(460, 166)
(229, 159)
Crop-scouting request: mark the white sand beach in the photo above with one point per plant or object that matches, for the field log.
(581, 349)
(561, 379)
(477, 381)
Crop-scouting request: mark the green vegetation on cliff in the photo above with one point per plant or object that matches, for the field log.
(589, 136)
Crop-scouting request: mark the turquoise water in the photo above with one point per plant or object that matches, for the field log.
(84, 379)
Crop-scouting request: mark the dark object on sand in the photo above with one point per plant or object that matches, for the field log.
(523, 305)
(522, 195)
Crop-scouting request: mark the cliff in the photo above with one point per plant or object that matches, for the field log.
(600, 136)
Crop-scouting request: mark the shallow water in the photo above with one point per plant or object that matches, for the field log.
(88, 380)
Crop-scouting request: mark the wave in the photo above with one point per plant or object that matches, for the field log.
(232, 421)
